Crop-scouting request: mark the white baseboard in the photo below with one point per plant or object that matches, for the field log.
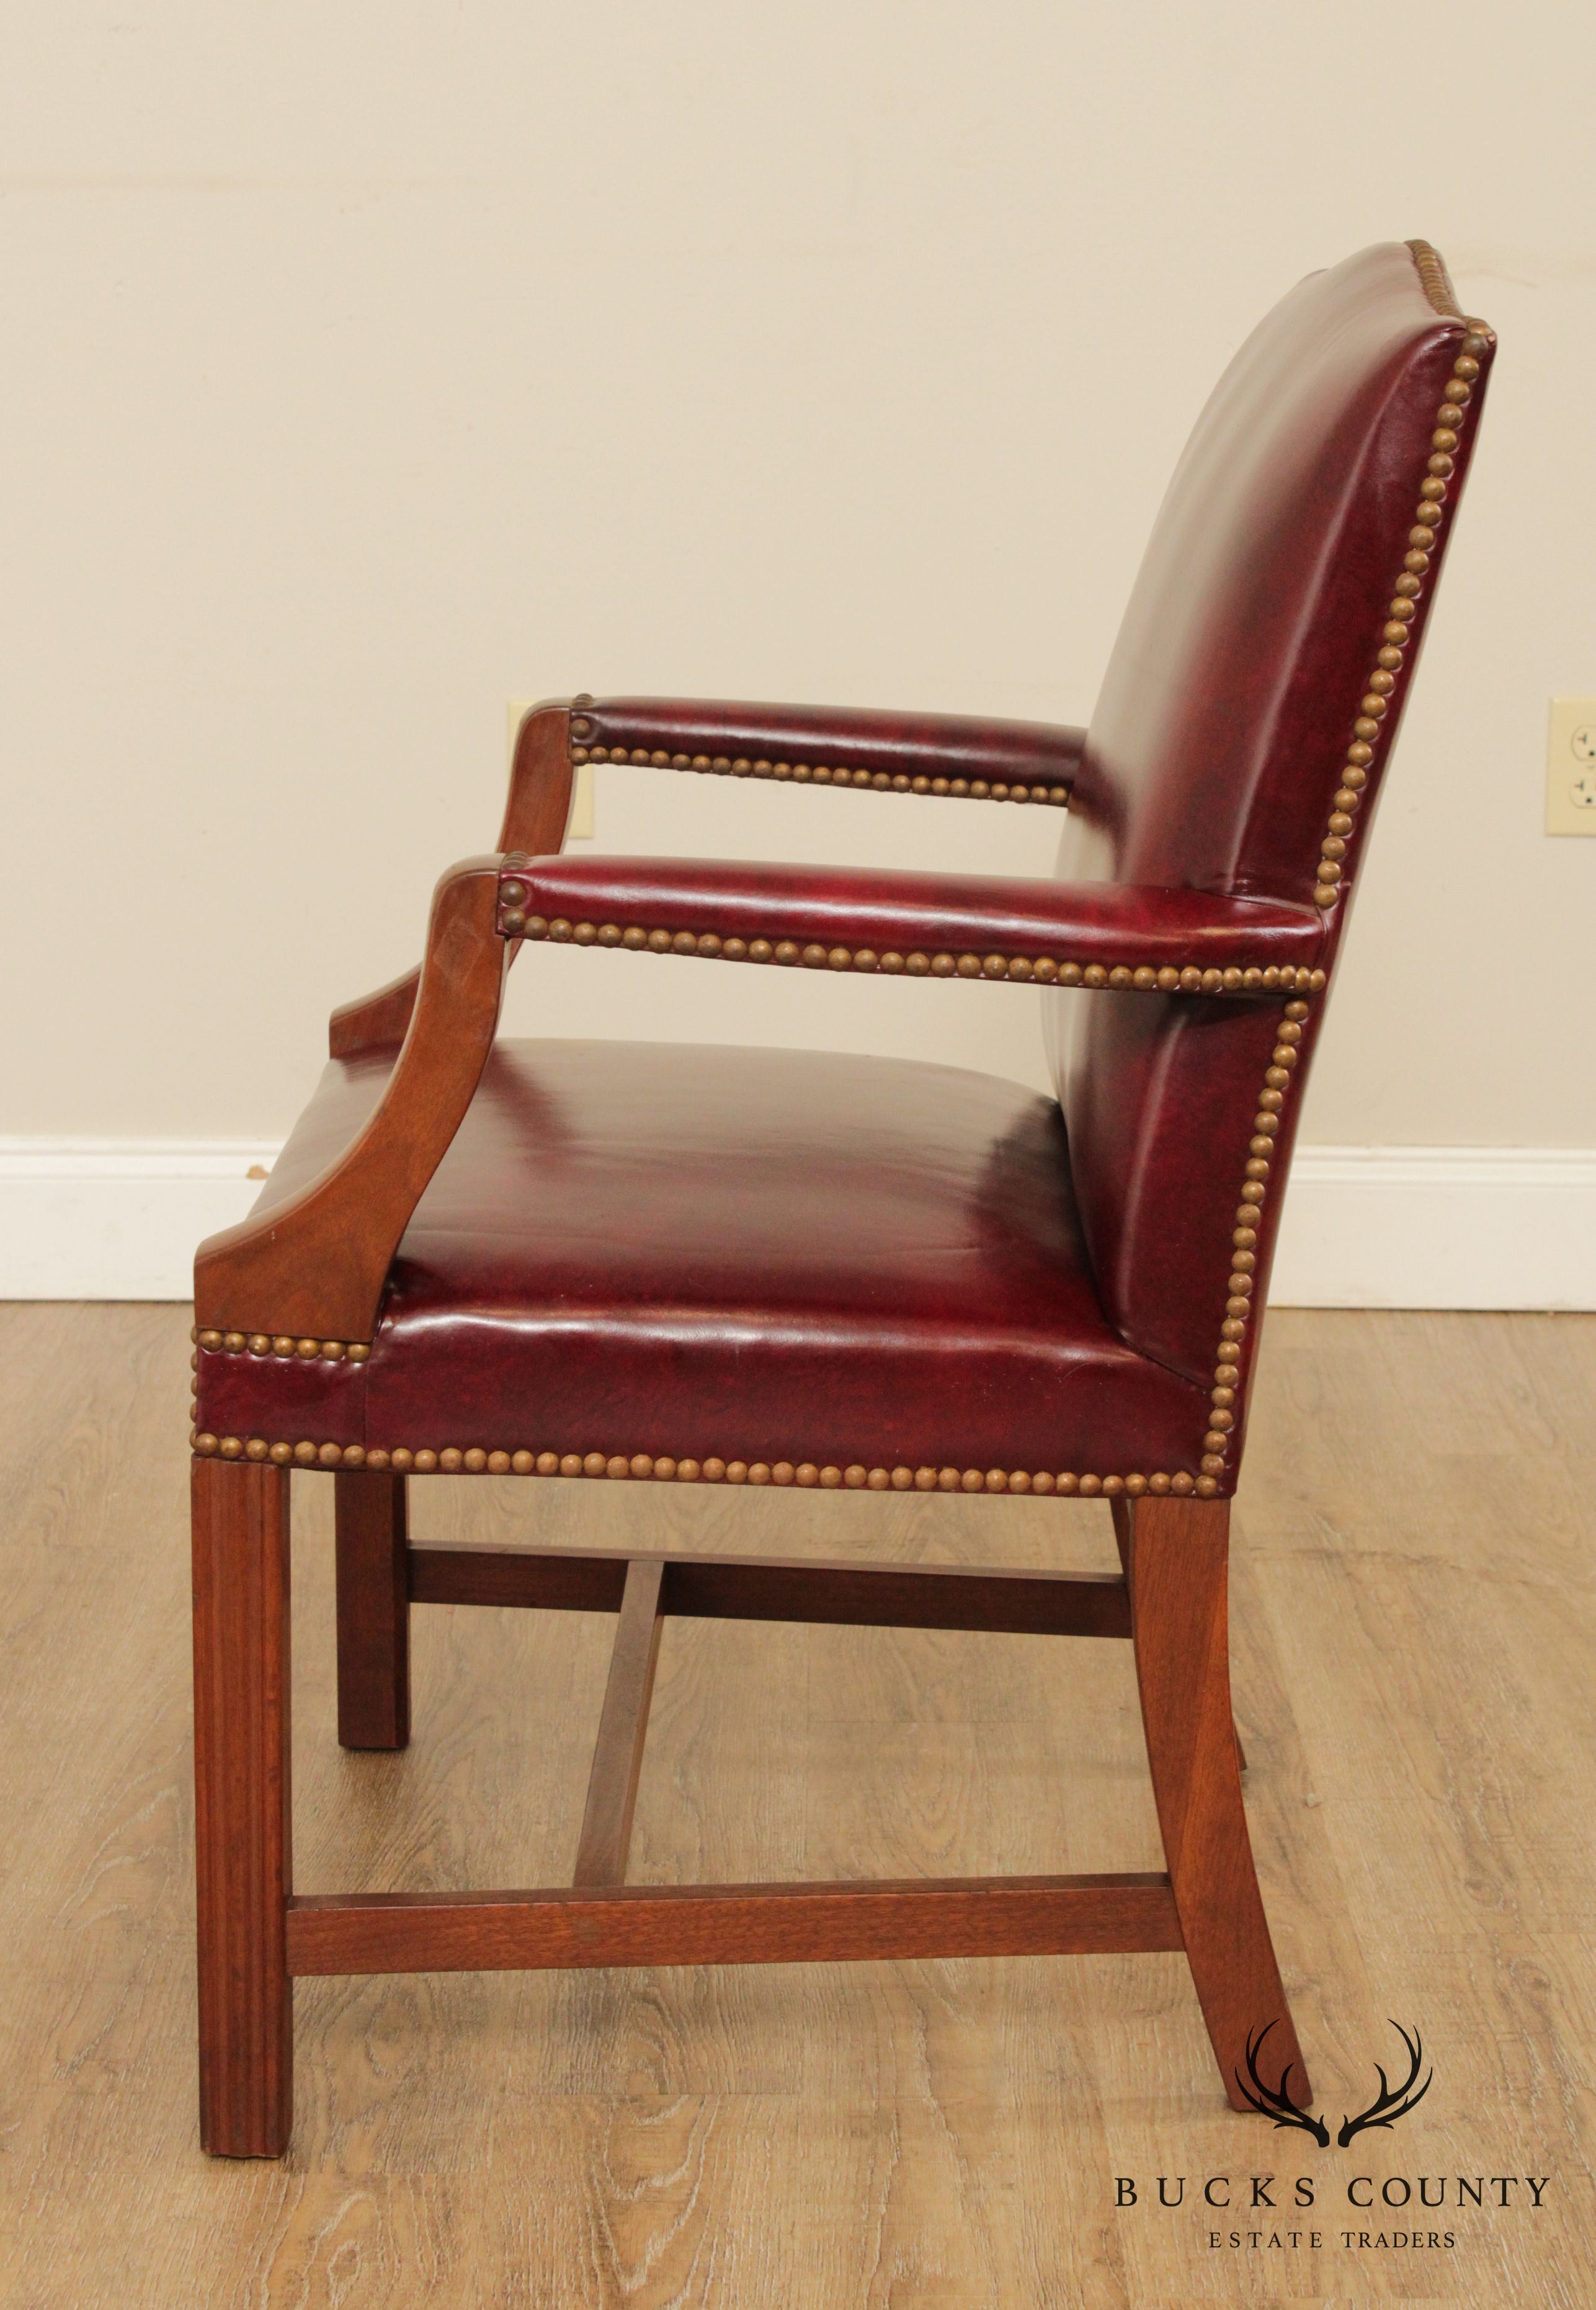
(1365, 1227)
(117, 1219)
(1438, 1227)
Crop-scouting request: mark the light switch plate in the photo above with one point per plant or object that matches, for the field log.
(580, 829)
(1570, 767)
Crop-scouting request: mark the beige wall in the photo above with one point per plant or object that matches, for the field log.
(366, 367)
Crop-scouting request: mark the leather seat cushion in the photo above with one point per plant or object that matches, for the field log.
(647, 1250)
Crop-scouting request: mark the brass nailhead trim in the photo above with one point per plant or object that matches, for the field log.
(1434, 279)
(283, 1345)
(1045, 970)
(1225, 1391)
(452, 1461)
(1403, 606)
(819, 774)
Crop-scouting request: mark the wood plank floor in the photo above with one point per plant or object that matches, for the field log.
(1414, 1623)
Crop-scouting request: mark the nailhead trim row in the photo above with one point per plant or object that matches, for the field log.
(1433, 278)
(1355, 772)
(1404, 605)
(819, 774)
(283, 1345)
(1045, 970)
(451, 1460)
(1225, 1390)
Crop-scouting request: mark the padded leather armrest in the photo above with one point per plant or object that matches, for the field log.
(834, 746)
(848, 918)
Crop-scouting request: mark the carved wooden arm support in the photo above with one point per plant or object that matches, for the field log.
(316, 1263)
(536, 815)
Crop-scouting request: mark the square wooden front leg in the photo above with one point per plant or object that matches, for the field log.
(242, 1841)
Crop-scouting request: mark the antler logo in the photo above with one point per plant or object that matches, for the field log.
(1388, 2105)
(1279, 2105)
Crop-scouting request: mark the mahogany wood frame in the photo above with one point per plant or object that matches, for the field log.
(318, 1263)
(256, 1932)
(314, 1262)
(373, 1587)
(243, 1809)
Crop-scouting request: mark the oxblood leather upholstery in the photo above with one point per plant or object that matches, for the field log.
(1104, 923)
(1218, 741)
(765, 1255)
(760, 1254)
(1023, 754)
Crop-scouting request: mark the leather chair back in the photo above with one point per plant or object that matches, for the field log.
(1228, 726)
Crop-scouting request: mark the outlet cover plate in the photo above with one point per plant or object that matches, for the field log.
(1570, 767)
(580, 829)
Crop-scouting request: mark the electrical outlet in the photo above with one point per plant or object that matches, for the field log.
(580, 829)
(1570, 767)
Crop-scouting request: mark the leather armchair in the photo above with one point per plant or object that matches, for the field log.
(653, 1264)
